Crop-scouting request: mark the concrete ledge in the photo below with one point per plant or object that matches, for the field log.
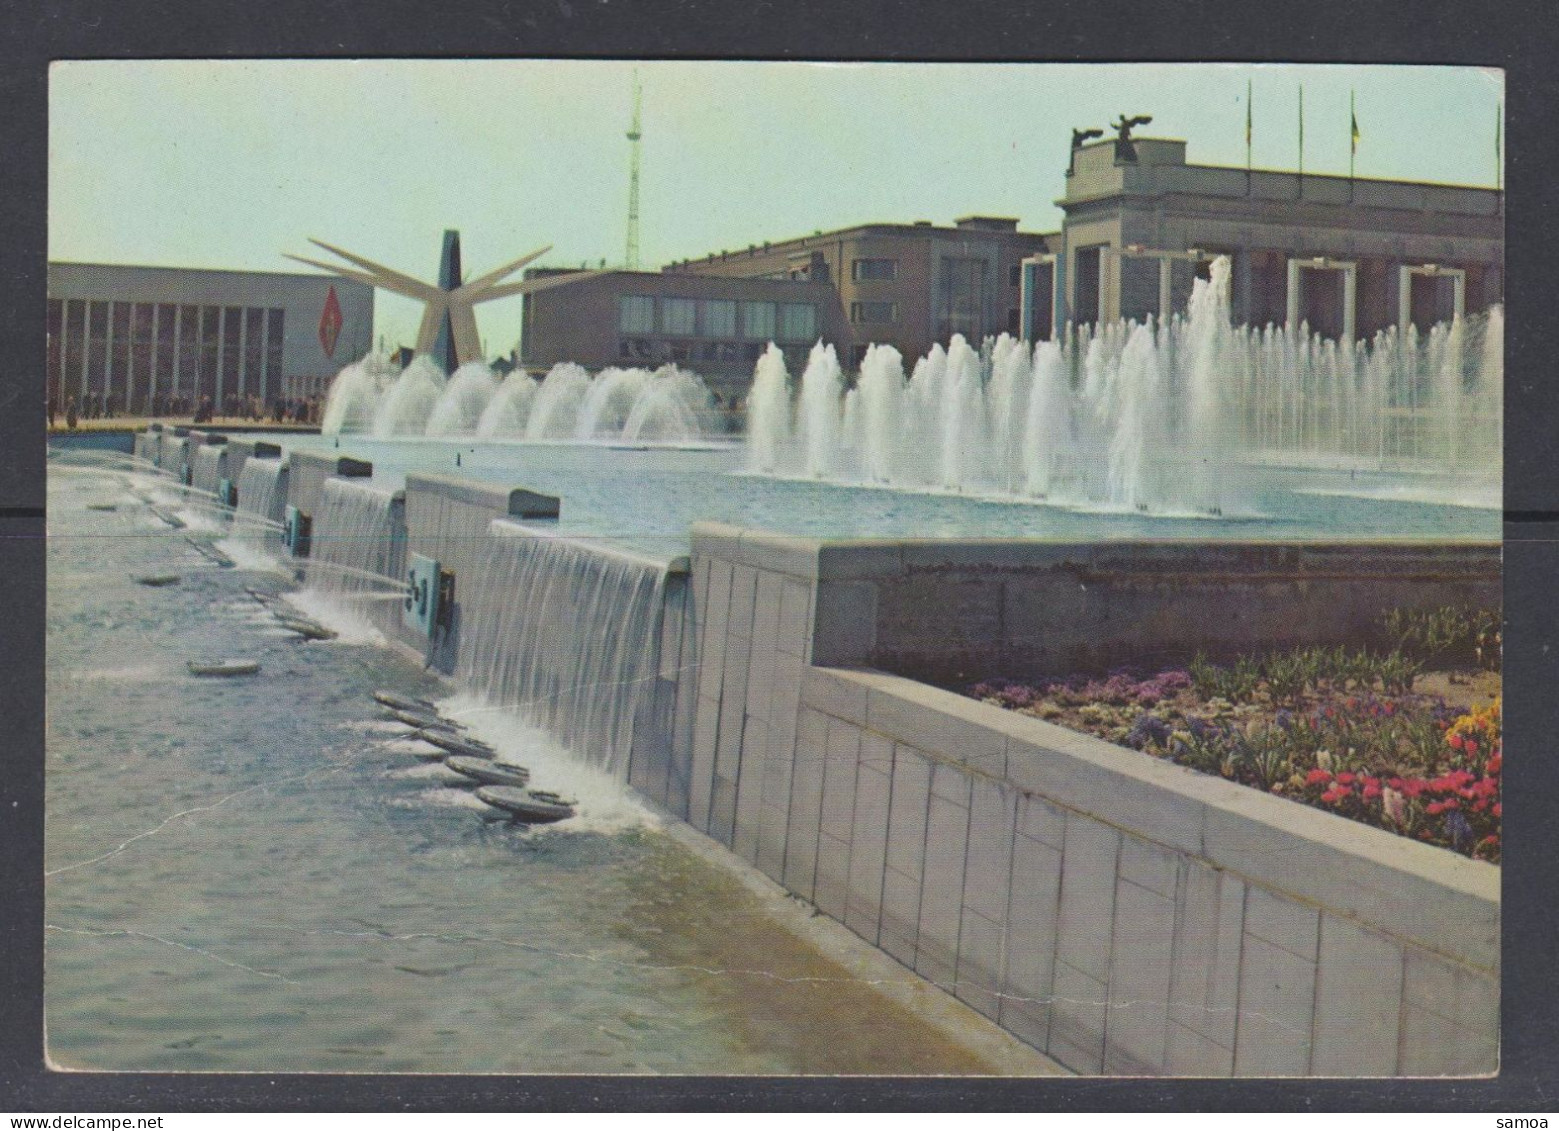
(515, 502)
(1428, 896)
(344, 466)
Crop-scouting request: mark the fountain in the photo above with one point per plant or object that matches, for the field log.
(1163, 417)
(566, 633)
(666, 406)
(359, 542)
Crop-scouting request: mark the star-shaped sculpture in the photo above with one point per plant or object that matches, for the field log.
(448, 330)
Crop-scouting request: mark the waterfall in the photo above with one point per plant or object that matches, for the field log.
(206, 468)
(673, 407)
(354, 395)
(357, 537)
(565, 632)
(259, 488)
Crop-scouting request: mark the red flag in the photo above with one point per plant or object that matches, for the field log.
(330, 321)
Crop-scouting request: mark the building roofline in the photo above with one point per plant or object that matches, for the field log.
(206, 270)
(889, 226)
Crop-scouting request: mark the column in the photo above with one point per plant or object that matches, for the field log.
(108, 354)
(178, 345)
(1292, 319)
(1404, 299)
(1165, 284)
(1350, 314)
(265, 357)
(216, 397)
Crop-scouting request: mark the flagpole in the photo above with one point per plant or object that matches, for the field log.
(1301, 141)
(1353, 142)
(1248, 110)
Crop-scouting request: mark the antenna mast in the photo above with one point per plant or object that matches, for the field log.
(634, 135)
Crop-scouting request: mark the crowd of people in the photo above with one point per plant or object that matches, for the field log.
(106, 405)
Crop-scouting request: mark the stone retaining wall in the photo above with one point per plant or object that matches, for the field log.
(1120, 913)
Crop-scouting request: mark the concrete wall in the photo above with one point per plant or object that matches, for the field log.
(307, 472)
(1120, 913)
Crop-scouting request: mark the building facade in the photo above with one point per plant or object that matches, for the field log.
(717, 327)
(904, 285)
(1346, 256)
(144, 337)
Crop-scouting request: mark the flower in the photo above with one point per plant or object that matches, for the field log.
(1323, 758)
(1394, 805)
(1318, 777)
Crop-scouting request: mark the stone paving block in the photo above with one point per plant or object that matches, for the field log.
(1149, 866)
(1077, 1019)
(749, 789)
(828, 692)
(739, 618)
(839, 772)
(1133, 790)
(706, 729)
(1282, 922)
(722, 809)
(900, 923)
(1277, 1009)
(845, 626)
(760, 678)
(1450, 1018)
(1088, 897)
(907, 811)
(1041, 820)
(1191, 1054)
(1358, 1002)
(936, 721)
(982, 946)
(941, 895)
(1031, 932)
(1404, 888)
(988, 866)
(773, 821)
(766, 607)
(713, 639)
(806, 799)
(831, 891)
(1204, 992)
(1143, 947)
(869, 836)
(795, 618)
(785, 696)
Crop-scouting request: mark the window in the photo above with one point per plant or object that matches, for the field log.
(678, 316)
(864, 270)
(1015, 276)
(275, 335)
(798, 321)
(757, 320)
(636, 314)
(961, 298)
(720, 318)
(874, 312)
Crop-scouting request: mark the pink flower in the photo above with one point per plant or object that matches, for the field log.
(1394, 805)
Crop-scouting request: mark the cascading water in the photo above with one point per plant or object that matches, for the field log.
(357, 546)
(567, 633)
(555, 412)
(259, 488)
(1167, 416)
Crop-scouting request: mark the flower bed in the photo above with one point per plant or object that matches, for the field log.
(1376, 738)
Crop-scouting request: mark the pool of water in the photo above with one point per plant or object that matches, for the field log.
(648, 498)
(260, 875)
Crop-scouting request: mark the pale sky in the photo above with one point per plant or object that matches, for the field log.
(229, 163)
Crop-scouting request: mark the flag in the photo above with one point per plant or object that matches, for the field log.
(1247, 120)
(1354, 134)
